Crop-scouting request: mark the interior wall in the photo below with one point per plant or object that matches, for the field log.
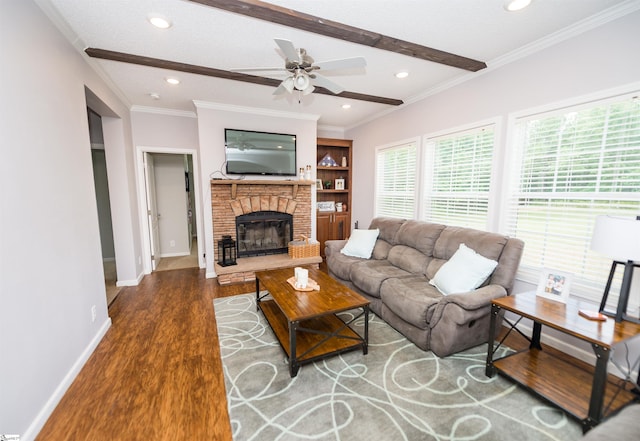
(599, 59)
(170, 132)
(52, 297)
(213, 119)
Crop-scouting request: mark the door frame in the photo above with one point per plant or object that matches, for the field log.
(142, 202)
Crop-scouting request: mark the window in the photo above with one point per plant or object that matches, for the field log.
(571, 166)
(396, 180)
(458, 178)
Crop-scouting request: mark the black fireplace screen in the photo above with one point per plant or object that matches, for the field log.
(263, 232)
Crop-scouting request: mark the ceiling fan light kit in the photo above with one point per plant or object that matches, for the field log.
(301, 80)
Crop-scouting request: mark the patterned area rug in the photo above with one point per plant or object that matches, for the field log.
(395, 392)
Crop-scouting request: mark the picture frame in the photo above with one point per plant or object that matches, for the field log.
(339, 184)
(554, 285)
(326, 206)
(318, 184)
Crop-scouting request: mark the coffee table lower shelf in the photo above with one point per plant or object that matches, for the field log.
(315, 338)
(560, 381)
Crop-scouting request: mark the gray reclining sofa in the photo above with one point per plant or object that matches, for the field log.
(395, 279)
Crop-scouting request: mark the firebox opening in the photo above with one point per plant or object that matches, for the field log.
(263, 232)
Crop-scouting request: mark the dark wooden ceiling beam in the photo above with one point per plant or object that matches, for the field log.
(219, 73)
(317, 25)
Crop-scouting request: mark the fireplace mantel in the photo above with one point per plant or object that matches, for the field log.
(235, 182)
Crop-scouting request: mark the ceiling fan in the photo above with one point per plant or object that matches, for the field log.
(303, 72)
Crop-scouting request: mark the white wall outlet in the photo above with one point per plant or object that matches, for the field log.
(93, 313)
(172, 243)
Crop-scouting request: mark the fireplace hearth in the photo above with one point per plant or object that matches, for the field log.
(263, 232)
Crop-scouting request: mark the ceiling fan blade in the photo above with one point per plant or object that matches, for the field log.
(285, 86)
(280, 90)
(321, 81)
(288, 49)
(258, 69)
(345, 63)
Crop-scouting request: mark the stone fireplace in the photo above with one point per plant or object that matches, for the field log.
(231, 199)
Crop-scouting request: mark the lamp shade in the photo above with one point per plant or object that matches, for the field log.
(617, 237)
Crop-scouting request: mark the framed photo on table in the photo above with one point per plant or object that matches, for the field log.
(554, 285)
(318, 184)
(340, 184)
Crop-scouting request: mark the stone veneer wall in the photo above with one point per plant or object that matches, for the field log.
(292, 197)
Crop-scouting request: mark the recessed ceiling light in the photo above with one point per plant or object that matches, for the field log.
(155, 96)
(346, 106)
(402, 74)
(516, 5)
(159, 21)
(173, 81)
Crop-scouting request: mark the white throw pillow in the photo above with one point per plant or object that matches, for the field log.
(361, 243)
(465, 271)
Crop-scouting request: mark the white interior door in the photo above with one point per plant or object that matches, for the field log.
(152, 210)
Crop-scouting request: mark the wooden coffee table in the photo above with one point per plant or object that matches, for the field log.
(305, 322)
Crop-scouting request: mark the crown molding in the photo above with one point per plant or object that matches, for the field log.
(593, 22)
(163, 111)
(331, 128)
(79, 45)
(255, 111)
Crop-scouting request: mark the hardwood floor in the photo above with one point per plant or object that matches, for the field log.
(157, 374)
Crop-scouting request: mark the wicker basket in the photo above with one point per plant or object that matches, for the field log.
(302, 248)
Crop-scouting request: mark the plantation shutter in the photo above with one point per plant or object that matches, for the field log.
(458, 178)
(396, 181)
(571, 166)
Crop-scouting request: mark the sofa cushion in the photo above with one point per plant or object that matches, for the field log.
(419, 235)
(411, 298)
(368, 275)
(340, 265)
(388, 227)
(489, 245)
(408, 258)
(381, 250)
(465, 271)
(361, 243)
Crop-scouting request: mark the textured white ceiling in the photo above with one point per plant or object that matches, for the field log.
(479, 29)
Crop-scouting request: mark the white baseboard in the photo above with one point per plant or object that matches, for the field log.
(38, 423)
(134, 282)
(185, 253)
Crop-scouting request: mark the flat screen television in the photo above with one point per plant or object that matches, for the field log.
(259, 153)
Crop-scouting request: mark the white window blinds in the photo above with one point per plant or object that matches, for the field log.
(396, 181)
(458, 178)
(570, 167)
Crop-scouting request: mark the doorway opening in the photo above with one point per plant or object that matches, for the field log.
(101, 186)
(171, 229)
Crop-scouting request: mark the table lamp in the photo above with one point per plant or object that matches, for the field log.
(619, 238)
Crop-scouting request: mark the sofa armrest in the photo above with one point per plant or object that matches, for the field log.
(333, 246)
(475, 300)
